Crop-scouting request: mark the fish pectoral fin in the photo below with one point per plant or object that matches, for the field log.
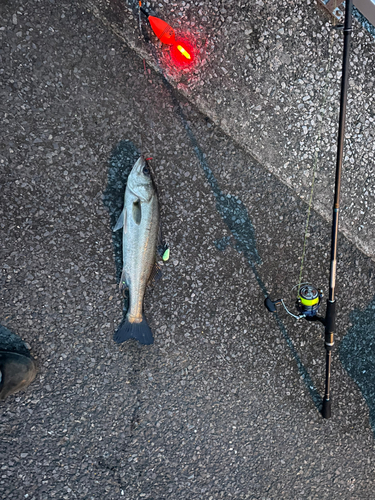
(160, 237)
(121, 221)
(155, 275)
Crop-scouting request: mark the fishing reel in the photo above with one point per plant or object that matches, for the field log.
(308, 302)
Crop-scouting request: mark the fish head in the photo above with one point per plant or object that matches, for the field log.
(140, 181)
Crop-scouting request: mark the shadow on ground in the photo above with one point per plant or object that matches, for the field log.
(236, 217)
(357, 354)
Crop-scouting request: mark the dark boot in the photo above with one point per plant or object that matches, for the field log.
(17, 372)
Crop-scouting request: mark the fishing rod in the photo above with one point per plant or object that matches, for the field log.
(309, 297)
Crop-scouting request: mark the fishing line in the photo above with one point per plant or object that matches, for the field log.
(309, 297)
(139, 17)
(317, 152)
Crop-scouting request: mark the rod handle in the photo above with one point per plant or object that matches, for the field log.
(330, 324)
(326, 410)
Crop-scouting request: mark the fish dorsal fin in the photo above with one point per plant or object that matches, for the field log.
(160, 241)
(155, 275)
(123, 286)
(121, 221)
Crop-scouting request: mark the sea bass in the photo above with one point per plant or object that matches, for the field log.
(140, 222)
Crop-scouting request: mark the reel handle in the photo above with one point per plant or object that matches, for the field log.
(271, 304)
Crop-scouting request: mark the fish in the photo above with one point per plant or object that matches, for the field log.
(140, 222)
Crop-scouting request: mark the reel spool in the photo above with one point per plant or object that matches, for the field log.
(309, 300)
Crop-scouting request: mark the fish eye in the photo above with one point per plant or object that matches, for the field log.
(146, 171)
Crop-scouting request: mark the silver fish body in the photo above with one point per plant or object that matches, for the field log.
(140, 222)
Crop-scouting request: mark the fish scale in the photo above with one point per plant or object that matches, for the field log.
(140, 223)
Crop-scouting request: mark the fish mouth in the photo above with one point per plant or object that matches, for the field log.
(140, 164)
(146, 163)
(140, 182)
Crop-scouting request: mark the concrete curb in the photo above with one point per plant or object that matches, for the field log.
(284, 141)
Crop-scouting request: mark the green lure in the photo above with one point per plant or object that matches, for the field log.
(165, 256)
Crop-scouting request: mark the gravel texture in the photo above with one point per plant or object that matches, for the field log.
(268, 74)
(225, 403)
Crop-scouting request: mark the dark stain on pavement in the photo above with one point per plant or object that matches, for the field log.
(357, 354)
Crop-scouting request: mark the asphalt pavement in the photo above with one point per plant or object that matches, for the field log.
(269, 74)
(225, 403)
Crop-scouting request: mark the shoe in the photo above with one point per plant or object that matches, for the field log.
(16, 372)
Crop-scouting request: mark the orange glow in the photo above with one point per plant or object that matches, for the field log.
(183, 52)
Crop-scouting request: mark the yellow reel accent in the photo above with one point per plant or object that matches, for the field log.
(309, 302)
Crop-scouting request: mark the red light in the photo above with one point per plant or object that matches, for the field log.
(182, 52)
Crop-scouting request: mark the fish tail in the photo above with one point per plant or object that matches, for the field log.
(138, 331)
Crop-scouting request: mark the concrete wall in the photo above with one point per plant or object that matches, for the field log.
(269, 74)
